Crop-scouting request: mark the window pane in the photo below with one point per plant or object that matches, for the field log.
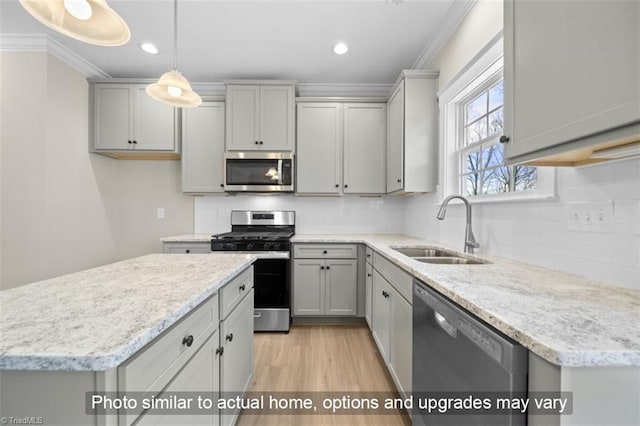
(492, 156)
(471, 184)
(477, 108)
(476, 132)
(496, 96)
(495, 122)
(525, 177)
(495, 180)
(472, 162)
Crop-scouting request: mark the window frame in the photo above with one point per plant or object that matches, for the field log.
(480, 74)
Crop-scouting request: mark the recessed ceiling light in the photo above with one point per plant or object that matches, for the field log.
(150, 48)
(340, 48)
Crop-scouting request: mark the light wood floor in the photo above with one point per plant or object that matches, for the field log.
(320, 358)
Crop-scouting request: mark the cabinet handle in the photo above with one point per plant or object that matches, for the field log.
(385, 294)
(324, 252)
(242, 287)
(368, 255)
(188, 340)
(229, 337)
(220, 351)
(187, 251)
(504, 139)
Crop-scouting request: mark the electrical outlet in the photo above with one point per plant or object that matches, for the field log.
(160, 213)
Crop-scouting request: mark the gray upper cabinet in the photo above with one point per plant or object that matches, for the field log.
(412, 133)
(124, 119)
(341, 148)
(203, 148)
(260, 116)
(572, 85)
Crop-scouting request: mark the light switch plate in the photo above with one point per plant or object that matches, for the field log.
(590, 216)
(160, 213)
(636, 217)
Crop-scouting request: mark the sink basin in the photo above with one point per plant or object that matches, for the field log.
(452, 260)
(423, 252)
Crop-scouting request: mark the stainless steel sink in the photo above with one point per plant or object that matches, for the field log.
(450, 260)
(439, 256)
(423, 252)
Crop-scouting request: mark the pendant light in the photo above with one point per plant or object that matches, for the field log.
(91, 21)
(172, 88)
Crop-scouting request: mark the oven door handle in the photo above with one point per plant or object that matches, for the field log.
(257, 314)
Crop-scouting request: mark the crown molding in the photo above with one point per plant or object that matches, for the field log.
(44, 43)
(343, 89)
(447, 27)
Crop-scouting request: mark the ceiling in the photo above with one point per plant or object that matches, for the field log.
(263, 39)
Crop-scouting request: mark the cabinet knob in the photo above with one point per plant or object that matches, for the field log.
(135, 141)
(346, 186)
(187, 251)
(261, 142)
(368, 255)
(504, 139)
(242, 287)
(328, 267)
(188, 340)
(399, 180)
(220, 351)
(337, 186)
(129, 142)
(385, 294)
(322, 267)
(229, 337)
(222, 185)
(324, 252)
(368, 275)
(256, 142)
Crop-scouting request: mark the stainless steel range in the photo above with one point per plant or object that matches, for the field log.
(267, 234)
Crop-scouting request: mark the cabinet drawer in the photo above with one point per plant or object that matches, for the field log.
(398, 278)
(235, 291)
(204, 247)
(155, 365)
(369, 255)
(329, 251)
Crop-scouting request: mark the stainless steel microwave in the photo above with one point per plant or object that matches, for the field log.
(258, 171)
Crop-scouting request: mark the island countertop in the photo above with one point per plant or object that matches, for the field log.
(94, 320)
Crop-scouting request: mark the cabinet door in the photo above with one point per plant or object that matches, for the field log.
(112, 116)
(276, 118)
(395, 140)
(154, 123)
(242, 118)
(319, 145)
(381, 314)
(308, 287)
(365, 148)
(203, 148)
(341, 282)
(236, 362)
(201, 374)
(368, 293)
(572, 77)
(401, 341)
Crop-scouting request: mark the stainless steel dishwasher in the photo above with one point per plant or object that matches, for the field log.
(456, 354)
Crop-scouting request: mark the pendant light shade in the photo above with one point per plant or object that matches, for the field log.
(91, 21)
(173, 89)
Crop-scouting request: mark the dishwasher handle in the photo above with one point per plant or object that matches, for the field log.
(445, 325)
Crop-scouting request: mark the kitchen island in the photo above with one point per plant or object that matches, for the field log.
(135, 325)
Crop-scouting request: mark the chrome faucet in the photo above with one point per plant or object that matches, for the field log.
(469, 240)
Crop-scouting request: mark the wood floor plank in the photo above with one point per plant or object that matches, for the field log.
(314, 358)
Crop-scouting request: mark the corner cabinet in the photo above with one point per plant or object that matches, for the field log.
(203, 148)
(325, 279)
(412, 137)
(341, 148)
(126, 123)
(260, 115)
(572, 85)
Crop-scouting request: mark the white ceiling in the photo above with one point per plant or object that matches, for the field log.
(263, 38)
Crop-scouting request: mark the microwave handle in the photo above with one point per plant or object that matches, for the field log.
(280, 171)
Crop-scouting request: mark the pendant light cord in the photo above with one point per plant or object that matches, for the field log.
(175, 34)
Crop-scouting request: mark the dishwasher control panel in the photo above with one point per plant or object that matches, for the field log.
(488, 344)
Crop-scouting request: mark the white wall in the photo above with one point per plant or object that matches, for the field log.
(537, 232)
(62, 208)
(337, 215)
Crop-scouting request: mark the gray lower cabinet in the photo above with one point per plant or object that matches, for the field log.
(325, 287)
(203, 148)
(368, 292)
(391, 320)
(188, 248)
(236, 357)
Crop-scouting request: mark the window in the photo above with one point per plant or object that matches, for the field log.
(482, 169)
(471, 123)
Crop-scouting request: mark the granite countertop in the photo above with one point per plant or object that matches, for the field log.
(95, 319)
(566, 319)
